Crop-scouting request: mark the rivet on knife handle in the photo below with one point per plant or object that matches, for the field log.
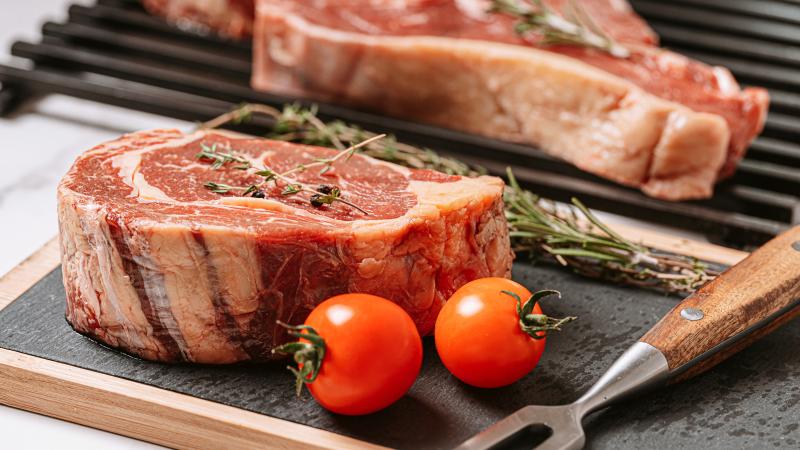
(692, 313)
(744, 303)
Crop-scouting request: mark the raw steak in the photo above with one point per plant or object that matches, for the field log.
(235, 17)
(656, 120)
(231, 18)
(157, 265)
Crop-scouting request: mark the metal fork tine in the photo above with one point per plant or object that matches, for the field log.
(500, 431)
(564, 439)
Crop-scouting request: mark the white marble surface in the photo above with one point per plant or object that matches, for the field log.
(42, 139)
(38, 145)
(46, 135)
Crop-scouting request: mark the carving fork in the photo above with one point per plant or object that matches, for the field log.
(747, 301)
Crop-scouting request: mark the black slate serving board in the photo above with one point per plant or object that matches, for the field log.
(749, 401)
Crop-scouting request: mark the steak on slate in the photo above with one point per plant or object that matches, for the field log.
(157, 265)
(659, 121)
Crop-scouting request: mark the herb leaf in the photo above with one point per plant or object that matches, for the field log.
(291, 189)
(574, 238)
(219, 158)
(218, 188)
(577, 29)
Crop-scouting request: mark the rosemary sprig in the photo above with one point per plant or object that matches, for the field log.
(581, 241)
(576, 238)
(576, 29)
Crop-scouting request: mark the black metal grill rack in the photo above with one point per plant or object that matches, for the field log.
(113, 52)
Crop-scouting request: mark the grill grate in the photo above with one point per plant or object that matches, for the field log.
(113, 52)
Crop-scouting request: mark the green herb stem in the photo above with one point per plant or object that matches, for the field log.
(574, 238)
(575, 28)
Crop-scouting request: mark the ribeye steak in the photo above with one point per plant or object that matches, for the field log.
(157, 265)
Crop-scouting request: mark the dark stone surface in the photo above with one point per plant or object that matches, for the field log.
(749, 401)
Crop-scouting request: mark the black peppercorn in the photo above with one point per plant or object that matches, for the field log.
(325, 188)
(316, 200)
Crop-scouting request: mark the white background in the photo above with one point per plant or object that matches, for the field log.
(37, 146)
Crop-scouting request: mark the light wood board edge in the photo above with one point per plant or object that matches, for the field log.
(149, 413)
(28, 272)
(145, 412)
(134, 409)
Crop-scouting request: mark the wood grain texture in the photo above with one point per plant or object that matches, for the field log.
(760, 286)
(735, 348)
(148, 413)
(28, 272)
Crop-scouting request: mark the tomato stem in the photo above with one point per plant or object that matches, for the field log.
(537, 326)
(307, 355)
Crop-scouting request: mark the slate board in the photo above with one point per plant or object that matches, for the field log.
(750, 401)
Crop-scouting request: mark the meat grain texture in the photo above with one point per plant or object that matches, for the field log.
(229, 18)
(158, 266)
(658, 121)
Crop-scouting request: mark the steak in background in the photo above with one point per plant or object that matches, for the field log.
(229, 18)
(637, 121)
(234, 18)
(658, 121)
(157, 265)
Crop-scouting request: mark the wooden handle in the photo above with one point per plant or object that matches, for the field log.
(747, 301)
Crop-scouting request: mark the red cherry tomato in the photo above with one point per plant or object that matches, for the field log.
(479, 336)
(373, 353)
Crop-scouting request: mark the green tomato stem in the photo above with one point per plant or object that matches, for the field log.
(537, 326)
(308, 355)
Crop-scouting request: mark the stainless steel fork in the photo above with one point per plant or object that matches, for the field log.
(747, 301)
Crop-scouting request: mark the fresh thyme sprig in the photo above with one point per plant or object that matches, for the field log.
(576, 238)
(221, 158)
(298, 124)
(344, 155)
(324, 195)
(222, 188)
(577, 29)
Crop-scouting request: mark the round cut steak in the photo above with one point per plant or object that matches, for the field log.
(159, 266)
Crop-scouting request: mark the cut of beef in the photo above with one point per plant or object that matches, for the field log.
(234, 18)
(231, 18)
(157, 265)
(656, 120)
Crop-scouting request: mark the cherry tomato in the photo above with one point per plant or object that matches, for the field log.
(480, 338)
(372, 353)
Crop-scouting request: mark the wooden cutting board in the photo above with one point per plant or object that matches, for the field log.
(47, 368)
